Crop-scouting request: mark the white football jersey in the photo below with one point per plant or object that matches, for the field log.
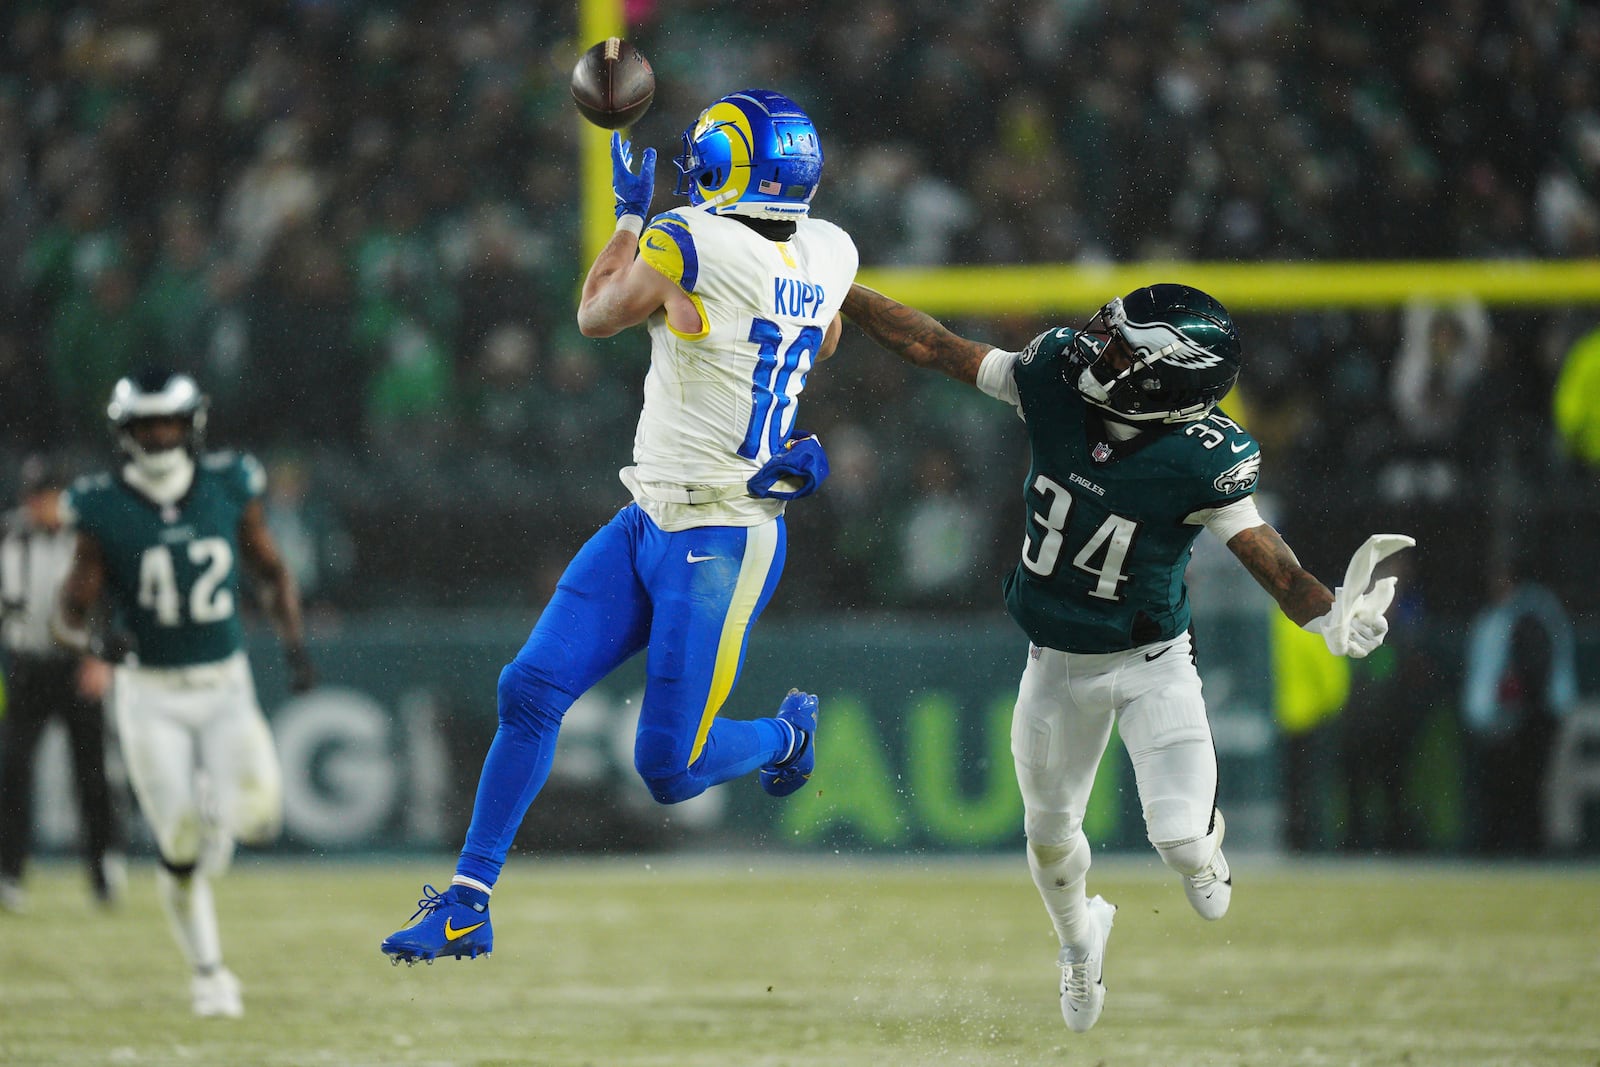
(718, 403)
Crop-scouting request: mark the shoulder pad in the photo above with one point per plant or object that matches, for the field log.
(667, 244)
(240, 471)
(1228, 451)
(81, 494)
(90, 483)
(1047, 344)
(255, 475)
(1039, 371)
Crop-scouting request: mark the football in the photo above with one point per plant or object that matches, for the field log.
(612, 84)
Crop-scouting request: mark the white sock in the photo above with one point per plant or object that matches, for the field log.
(216, 853)
(1060, 876)
(795, 738)
(192, 914)
(472, 883)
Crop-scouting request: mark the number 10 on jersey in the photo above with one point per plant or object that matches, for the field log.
(780, 374)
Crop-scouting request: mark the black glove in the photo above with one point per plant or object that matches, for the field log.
(302, 673)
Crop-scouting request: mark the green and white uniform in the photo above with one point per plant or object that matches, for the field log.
(1109, 527)
(185, 701)
(173, 570)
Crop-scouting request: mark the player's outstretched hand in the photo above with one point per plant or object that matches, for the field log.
(633, 191)
(1368, 627)
(1355, 624)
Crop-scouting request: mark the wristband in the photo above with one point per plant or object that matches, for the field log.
(996, 377)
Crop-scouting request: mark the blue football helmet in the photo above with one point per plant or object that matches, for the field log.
(752, 153)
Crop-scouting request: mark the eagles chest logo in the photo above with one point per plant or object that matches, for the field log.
(1100, 453)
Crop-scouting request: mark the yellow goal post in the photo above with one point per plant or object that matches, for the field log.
(1048, 288)
(1077, 289)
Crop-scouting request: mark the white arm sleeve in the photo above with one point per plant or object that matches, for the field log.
(1228, 519)
(995, 377)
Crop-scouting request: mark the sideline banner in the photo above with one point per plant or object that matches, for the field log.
(914, 752)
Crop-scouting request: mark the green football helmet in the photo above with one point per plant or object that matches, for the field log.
(156, 393)
(1165, 353)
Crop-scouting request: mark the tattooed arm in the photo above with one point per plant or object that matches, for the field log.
(917, 338)
(1273, 564)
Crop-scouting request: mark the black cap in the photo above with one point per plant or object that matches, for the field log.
(38, 474)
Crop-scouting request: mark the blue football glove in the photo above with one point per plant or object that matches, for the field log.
(796, 471)
(633, 191)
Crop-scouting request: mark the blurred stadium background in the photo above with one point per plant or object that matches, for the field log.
(363, 224)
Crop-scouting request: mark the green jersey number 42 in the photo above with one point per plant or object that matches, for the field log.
(209, 599)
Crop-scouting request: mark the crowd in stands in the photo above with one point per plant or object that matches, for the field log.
(358, 224)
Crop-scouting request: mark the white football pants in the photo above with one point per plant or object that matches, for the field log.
(200, 758)
(1066, 705)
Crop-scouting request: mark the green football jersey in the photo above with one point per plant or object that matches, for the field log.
(172, 572)
(1106, 542)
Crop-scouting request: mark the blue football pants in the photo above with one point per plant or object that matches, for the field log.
(688, 597)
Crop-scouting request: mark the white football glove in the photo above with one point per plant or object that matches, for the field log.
(1355, 624)
(1355, 628)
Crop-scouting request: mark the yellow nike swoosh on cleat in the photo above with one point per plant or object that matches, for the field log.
(451, 933)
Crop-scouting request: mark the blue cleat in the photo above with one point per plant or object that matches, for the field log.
(799, 712)
(454, 923)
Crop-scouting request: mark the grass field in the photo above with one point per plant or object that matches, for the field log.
(769, 961)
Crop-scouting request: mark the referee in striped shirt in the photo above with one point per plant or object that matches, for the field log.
(43, 680)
